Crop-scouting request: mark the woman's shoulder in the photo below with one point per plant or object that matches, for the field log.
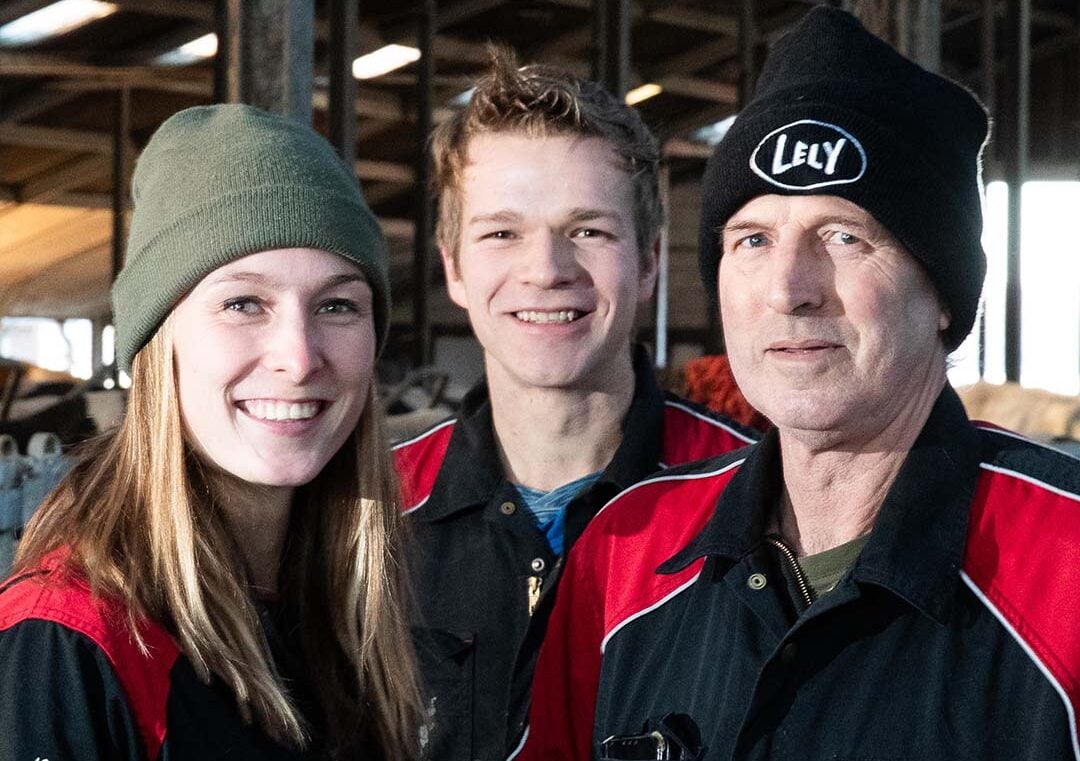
(62, 639)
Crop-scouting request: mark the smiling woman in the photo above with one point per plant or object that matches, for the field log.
(222, 571)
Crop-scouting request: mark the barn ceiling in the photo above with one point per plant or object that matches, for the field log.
(58, 106)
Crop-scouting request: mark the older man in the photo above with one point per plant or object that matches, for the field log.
(879, 578)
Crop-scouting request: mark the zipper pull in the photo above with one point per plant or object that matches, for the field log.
(534, 585)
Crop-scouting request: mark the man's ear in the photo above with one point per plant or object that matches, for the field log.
(455, 288)
(648, 269)
(944, 319)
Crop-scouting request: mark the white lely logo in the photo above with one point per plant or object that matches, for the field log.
(809, 154)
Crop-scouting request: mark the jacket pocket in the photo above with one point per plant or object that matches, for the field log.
(447, 664)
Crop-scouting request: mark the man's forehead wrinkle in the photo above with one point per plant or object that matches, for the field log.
(741, 224)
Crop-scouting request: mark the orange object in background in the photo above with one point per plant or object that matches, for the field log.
(708, 381)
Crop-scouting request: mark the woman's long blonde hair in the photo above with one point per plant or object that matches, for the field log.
(137, 518)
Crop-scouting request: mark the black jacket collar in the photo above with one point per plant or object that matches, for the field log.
(471, 473)
(917, 545)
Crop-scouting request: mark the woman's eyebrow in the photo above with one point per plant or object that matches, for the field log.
(258, 278)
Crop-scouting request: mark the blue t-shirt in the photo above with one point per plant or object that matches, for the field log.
(548, 508)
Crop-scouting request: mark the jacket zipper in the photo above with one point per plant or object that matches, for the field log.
(535, 586)
(800, 578)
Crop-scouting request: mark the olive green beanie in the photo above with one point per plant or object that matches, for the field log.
(216, 183)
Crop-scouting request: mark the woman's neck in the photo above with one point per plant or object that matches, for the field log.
(257, 518)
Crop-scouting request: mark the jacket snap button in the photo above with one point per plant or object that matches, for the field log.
(538, 564)
(507, 508)
(757, 581)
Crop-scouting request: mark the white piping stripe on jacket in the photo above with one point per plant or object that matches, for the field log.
(1031, 654)
(1022, 437)
(423, 435)
(645, 611)
(711, 421)
(658, 479)
(514, 753)
(1032, 481)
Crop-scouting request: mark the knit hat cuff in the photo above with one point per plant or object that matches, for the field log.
(248, 221)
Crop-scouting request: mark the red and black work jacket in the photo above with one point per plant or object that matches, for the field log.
(955, 635)
(75, 685)
(482, 567)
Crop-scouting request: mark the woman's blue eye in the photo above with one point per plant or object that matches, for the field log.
(243, 304)
(755, 241)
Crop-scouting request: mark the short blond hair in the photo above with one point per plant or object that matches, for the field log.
(541, 101)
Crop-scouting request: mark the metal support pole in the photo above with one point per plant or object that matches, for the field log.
(663, 265)
(228, 51)
(1020, 77)
(611, 44)
(97, 363)
(120, 173)
(926, 33)
(747, 47)
(988, 50)
(423, 253)
(121, 122)
(266, 50)
(714, 335)
(342, 51)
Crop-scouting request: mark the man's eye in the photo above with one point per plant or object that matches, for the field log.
(754, 241)
(591, 232)
(339, 306)
(242, 304)
(498, 235)
(843, 238)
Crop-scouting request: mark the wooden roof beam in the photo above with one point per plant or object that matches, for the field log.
(713, 90)
(1040, 16)
(186, 9)
(385, 171)
(67, 176)
(37, 102)
(100, 143)
(150, 77)
(680, 18)
(61, 138)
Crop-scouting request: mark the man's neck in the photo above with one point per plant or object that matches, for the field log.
(833, 494)
(548, 437)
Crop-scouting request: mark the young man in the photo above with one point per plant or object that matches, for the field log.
(878, 577)
(548, 221)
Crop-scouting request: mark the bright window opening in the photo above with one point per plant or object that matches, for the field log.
(1049, 291)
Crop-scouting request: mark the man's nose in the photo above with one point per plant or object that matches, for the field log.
(549, 261)
(797, 273)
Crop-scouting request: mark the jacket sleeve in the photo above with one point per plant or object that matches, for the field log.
(565, 685)
(60, 699)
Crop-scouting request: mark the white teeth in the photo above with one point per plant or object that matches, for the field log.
(267, 409)
(566, 315)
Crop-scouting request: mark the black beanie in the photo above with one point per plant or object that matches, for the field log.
(838, 112)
